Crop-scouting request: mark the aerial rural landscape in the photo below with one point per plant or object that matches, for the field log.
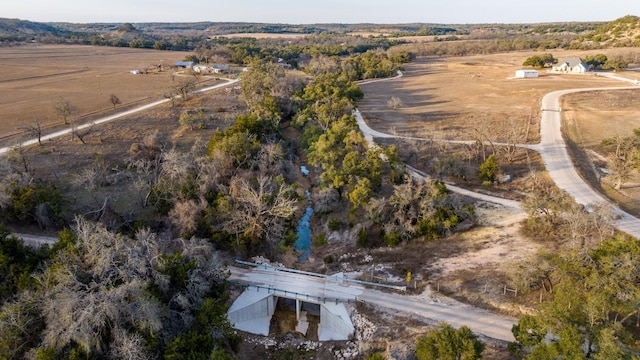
(297, 184)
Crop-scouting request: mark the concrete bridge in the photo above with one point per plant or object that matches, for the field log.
(252, 311)
(264, 284)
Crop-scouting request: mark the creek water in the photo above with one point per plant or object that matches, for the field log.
(303, 242)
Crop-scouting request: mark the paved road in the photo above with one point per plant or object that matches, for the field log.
(456, 314)
(111, 117)
(553, 151)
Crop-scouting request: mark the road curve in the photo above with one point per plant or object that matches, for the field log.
(553, 151)
(138, 109)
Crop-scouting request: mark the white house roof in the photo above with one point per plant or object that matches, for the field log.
(573, 62)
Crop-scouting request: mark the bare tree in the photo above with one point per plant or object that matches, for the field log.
(114, 100)
(258, 209)
(18, 156)
(35, 129)
(184, 87)
(64, 110)
(622, 159)
(395, 103)
(185, 214)
(81, 133)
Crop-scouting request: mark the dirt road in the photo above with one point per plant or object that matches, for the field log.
(110, 118)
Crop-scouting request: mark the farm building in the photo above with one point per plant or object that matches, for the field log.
(526, 74)
(573, 65)
(211, 69)
(185, 64)
(203, 69)
(221, 69)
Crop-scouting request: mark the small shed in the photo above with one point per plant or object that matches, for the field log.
(523, 74)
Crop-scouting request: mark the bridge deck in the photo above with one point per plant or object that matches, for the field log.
(304, 287)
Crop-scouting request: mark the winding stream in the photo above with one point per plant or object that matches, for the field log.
(303, 243)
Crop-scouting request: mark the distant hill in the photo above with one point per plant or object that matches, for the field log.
(623, 32)
(21, 30)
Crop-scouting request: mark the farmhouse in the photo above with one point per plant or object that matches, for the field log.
(573, 65)
(523, 74)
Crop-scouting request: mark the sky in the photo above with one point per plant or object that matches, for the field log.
(320, 11)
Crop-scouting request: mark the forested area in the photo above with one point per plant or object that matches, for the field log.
(153, 286)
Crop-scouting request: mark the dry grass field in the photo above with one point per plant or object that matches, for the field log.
(590, 118)
(34, 78)
(447, 98)
(476, 97)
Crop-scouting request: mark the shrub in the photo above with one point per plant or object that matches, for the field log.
(320, 240)
(488, 170)
(392, 238)
(362, 238)
(334, 224)
(447, 343)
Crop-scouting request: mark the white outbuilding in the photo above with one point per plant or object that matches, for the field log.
(523, 74)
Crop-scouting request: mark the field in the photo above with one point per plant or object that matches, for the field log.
(476, 98)
(447, 98)
(592, 117)
(34, 78)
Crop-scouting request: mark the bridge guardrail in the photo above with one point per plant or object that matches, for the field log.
(330, 277)
(287, 293)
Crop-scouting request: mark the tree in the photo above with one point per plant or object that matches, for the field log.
(488, 170)
(540, 61)
(618, 63)
(595, 61)
(258, 209)
(106, 295)
(64, 110)
(35, 129)
(447, 343)
(183, 87)
(394, 103)
(595, 299)
(114, 100)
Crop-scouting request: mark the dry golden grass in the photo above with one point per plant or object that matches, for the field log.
(589, 118)
(453, 98)
(448, 97)
(34, 77)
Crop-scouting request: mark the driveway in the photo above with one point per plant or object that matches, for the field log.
(555, 156)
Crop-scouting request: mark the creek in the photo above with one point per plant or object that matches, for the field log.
(303, 242)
